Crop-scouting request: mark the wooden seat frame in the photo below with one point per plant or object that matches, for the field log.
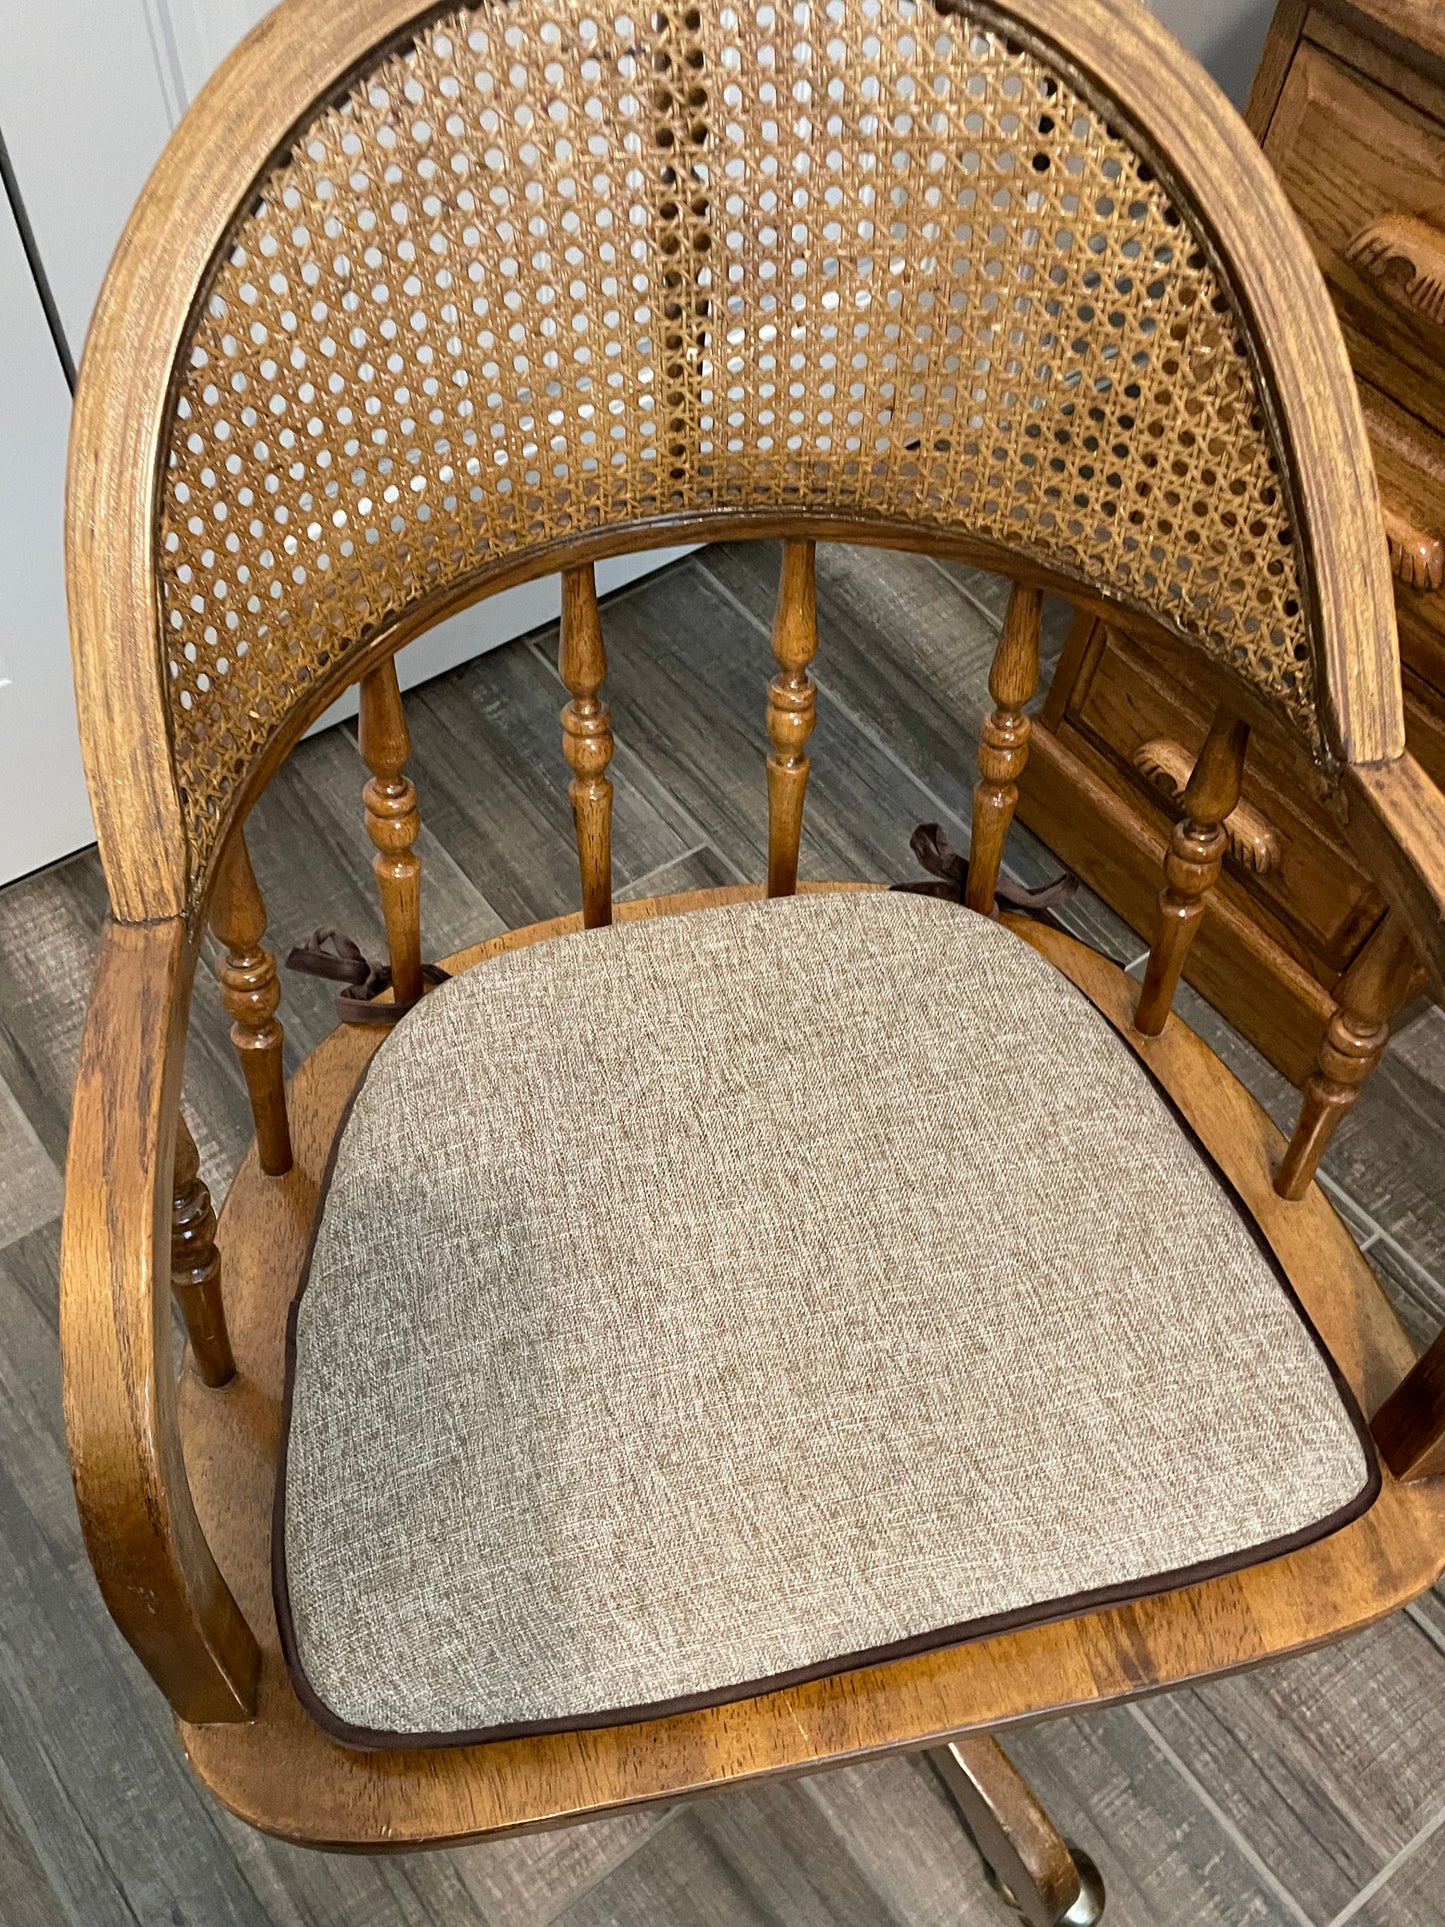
(175, 1485)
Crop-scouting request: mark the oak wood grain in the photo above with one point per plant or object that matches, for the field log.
(148, 1549)
(209, 172)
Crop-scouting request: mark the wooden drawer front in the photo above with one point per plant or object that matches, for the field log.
(1410, 464)
(1366, 174)
(1128, 700)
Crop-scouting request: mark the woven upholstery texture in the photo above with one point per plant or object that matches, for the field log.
(702, 1299)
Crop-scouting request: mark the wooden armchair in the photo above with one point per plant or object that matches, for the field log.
(421, 303)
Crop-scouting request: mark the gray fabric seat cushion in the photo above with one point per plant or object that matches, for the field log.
(704, 1301)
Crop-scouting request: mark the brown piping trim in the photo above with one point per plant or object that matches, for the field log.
(1043, 1613)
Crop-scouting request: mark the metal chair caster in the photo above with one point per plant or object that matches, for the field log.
(1086, 1911)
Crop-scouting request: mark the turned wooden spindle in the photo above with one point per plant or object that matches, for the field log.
(792, 705)
(1377, 983)
(1191, 864)
(1003, 744)
(251, 995)
(587, 740)
(196, 1264)
(393, 825)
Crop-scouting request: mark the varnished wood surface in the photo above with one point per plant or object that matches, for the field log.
(393, 823)
(792, 704)
(1389, 805)
(1318, 900)
(1191, 866)
(1310, 1778)
(1373, 989)
(1003, 743)
(196, 1265)
(246, 971)
(148, 1551)
(587, 740)
(1411, 1423)
(283, 1774)
(1083, 794)
(1014, 1834)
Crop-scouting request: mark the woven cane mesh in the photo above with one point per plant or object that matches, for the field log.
(555, 268)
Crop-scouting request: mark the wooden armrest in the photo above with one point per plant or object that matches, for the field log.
(1397, 824)
(151, 1559)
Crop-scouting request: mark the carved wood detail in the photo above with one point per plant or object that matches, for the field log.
(1416, 556)
(1405, 258)
(1252, 840)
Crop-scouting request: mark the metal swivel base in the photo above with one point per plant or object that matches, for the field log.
(1086, 1911)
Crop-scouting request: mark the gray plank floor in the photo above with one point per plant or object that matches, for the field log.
(1310, 1793)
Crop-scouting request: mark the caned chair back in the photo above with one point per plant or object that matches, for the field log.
(425, 301)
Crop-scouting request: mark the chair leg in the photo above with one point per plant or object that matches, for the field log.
(1039, 1875)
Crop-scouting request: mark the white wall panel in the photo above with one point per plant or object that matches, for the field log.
(198, 34)
(1226, 36)
(85, 115)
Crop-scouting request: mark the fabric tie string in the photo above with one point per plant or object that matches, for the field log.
(937, 855)
(334, 955)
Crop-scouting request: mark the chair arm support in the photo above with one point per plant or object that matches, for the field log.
(150, 1556)
(1396, 821)
(1409, 1427)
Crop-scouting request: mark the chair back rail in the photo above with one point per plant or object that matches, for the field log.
(422, 301)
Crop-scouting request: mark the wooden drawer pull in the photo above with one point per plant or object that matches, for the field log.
(1167, 765)
(1416, 557)
(1405, 258)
